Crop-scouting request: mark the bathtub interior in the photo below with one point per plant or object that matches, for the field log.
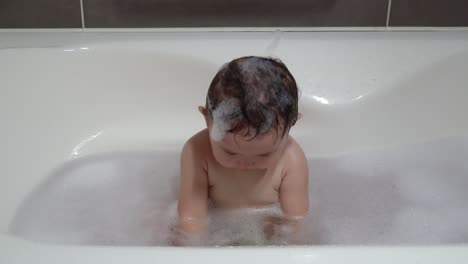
(411, 195)
(121, 110)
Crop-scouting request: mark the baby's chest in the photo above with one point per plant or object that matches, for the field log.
(244, 189)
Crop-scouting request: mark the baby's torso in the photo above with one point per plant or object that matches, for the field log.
(230, 188)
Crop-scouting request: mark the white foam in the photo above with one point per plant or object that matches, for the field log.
(246, 226)
(221, 118)
(249, 67)
(251, 70)
(119, 199)
(407, 195)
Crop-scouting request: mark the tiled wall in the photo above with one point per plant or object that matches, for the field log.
(231, 13)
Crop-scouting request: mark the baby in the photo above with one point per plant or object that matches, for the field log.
(245, 157)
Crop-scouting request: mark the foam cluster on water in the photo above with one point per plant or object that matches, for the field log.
(403, 195)
(246, 226)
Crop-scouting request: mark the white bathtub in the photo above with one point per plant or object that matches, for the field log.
(69, 96)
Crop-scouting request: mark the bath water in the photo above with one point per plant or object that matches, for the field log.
(414, 194)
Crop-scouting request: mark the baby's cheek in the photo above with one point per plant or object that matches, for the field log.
(223, 160)
(229, 162)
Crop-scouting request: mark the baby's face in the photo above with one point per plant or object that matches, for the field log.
(242, 152)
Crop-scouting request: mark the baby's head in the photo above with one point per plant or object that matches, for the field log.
(250, 106)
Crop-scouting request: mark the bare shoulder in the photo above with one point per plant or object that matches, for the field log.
(294, 188)
(294, 158)
(200, 141)
(198, 147)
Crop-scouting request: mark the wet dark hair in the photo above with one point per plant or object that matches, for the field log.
(264, 90)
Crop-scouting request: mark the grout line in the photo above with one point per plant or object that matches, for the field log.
(269, 29)
(240, 29)
(40, 30)
(389, 10)
(82, 15)
(227, 30)
(427, 29)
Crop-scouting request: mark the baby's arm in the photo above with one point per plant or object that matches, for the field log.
(293, 196)
(294, 188)
(193, 193)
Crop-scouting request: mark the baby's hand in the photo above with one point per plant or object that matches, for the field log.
(180, 238)
(188, 232)
(281, 230)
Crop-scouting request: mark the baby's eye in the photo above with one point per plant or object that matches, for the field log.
(230, 153)
(264, 155)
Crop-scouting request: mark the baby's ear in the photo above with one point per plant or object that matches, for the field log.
(202, 110)
(299, 116)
